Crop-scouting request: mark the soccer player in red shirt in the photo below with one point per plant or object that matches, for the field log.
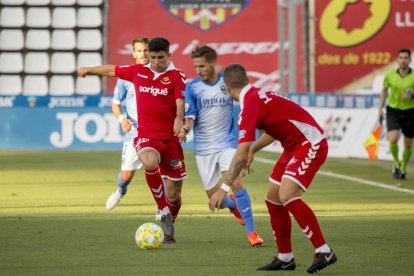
(160, 89)
(305, 150)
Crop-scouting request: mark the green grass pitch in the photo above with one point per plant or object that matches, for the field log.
(53, 221)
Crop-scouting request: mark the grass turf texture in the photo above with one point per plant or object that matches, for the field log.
(53, 221)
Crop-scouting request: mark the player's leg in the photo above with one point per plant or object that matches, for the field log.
(408, 132)
(245, 209)
(295, 180)
(393, 147)
(393, 127)
(172, 167)
(279, 220)
(149, 154)
(408, 150)
(174, 188)
(210, 176)
(129, 164)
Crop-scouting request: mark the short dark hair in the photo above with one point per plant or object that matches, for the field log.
(205, 51)
(404, 50)
(141, 39)
(159, 44)
(235, 76)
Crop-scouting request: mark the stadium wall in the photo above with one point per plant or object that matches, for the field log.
(87, 123)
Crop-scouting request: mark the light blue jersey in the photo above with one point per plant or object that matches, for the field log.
(212, 112)
(125, 91)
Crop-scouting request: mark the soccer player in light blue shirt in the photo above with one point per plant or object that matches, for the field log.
(125, 92)
(209, 111)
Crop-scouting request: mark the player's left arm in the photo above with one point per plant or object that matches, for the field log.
(178, 122)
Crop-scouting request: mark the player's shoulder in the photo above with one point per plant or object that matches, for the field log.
(194, 82)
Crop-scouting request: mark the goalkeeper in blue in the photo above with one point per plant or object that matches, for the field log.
(209, 112)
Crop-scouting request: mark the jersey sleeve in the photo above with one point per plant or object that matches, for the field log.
(190, 103)
(120, 92)
(247, 122)
(180, 84)
(125, 72)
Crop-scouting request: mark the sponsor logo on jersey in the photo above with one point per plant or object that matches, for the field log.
(166, 80)
(242, 132)
(204, 15)
(153, 90)
(176, 164)
(142, 76)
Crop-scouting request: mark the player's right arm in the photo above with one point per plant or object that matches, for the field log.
(104, 70)
(383, 97)
(120, 95)
(190, 111)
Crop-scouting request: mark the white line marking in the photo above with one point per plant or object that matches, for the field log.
(347, 177)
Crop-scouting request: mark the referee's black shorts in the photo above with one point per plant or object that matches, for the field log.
(401, 119)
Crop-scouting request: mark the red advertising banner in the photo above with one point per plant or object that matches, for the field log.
(241, 31)
(355, 37)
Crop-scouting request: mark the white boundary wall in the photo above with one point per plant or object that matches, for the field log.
(347, 130)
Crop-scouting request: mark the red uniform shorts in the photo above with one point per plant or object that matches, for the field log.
(171, 157)
(301, 164)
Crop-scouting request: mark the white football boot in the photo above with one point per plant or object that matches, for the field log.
(113, 200)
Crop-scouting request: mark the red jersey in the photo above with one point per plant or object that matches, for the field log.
(278, 116)
(156, 94)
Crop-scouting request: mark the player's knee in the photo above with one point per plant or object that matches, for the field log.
(285, 196)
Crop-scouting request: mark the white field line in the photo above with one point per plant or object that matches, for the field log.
(347, 177)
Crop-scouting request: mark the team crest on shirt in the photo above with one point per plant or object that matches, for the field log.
(166, 80)
(204, 15)
(223, 89)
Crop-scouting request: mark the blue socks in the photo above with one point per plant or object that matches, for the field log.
(228, 203)
(245, 208)
(122, 186)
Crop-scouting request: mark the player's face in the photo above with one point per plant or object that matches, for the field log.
(205, 70)
(404, 60)
(140, 53)
(159, 61)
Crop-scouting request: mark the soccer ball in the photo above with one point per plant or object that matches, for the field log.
(149, 236)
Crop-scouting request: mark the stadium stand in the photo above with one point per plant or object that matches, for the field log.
(42, 42)
(11, 40)
(35, 85)
(10, 85)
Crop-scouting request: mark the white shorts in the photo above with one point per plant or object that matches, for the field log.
(130, 161)
(210, 166)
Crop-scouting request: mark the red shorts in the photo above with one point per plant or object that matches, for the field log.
(301, 164)
(171, 157)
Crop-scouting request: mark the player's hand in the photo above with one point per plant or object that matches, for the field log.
(185, 129)
(216, 199)
(250, 159)
(178, 123)
(126, 125)
(406, 95)
(82, 72)
(380, 116)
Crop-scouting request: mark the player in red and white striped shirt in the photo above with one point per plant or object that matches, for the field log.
(305, 150)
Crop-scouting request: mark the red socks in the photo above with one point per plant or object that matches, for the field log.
(306, 220)
(174, 209)
(281, 225)
(156, 185)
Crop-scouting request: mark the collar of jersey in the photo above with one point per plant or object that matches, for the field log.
(170, 67)
(243, 93)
